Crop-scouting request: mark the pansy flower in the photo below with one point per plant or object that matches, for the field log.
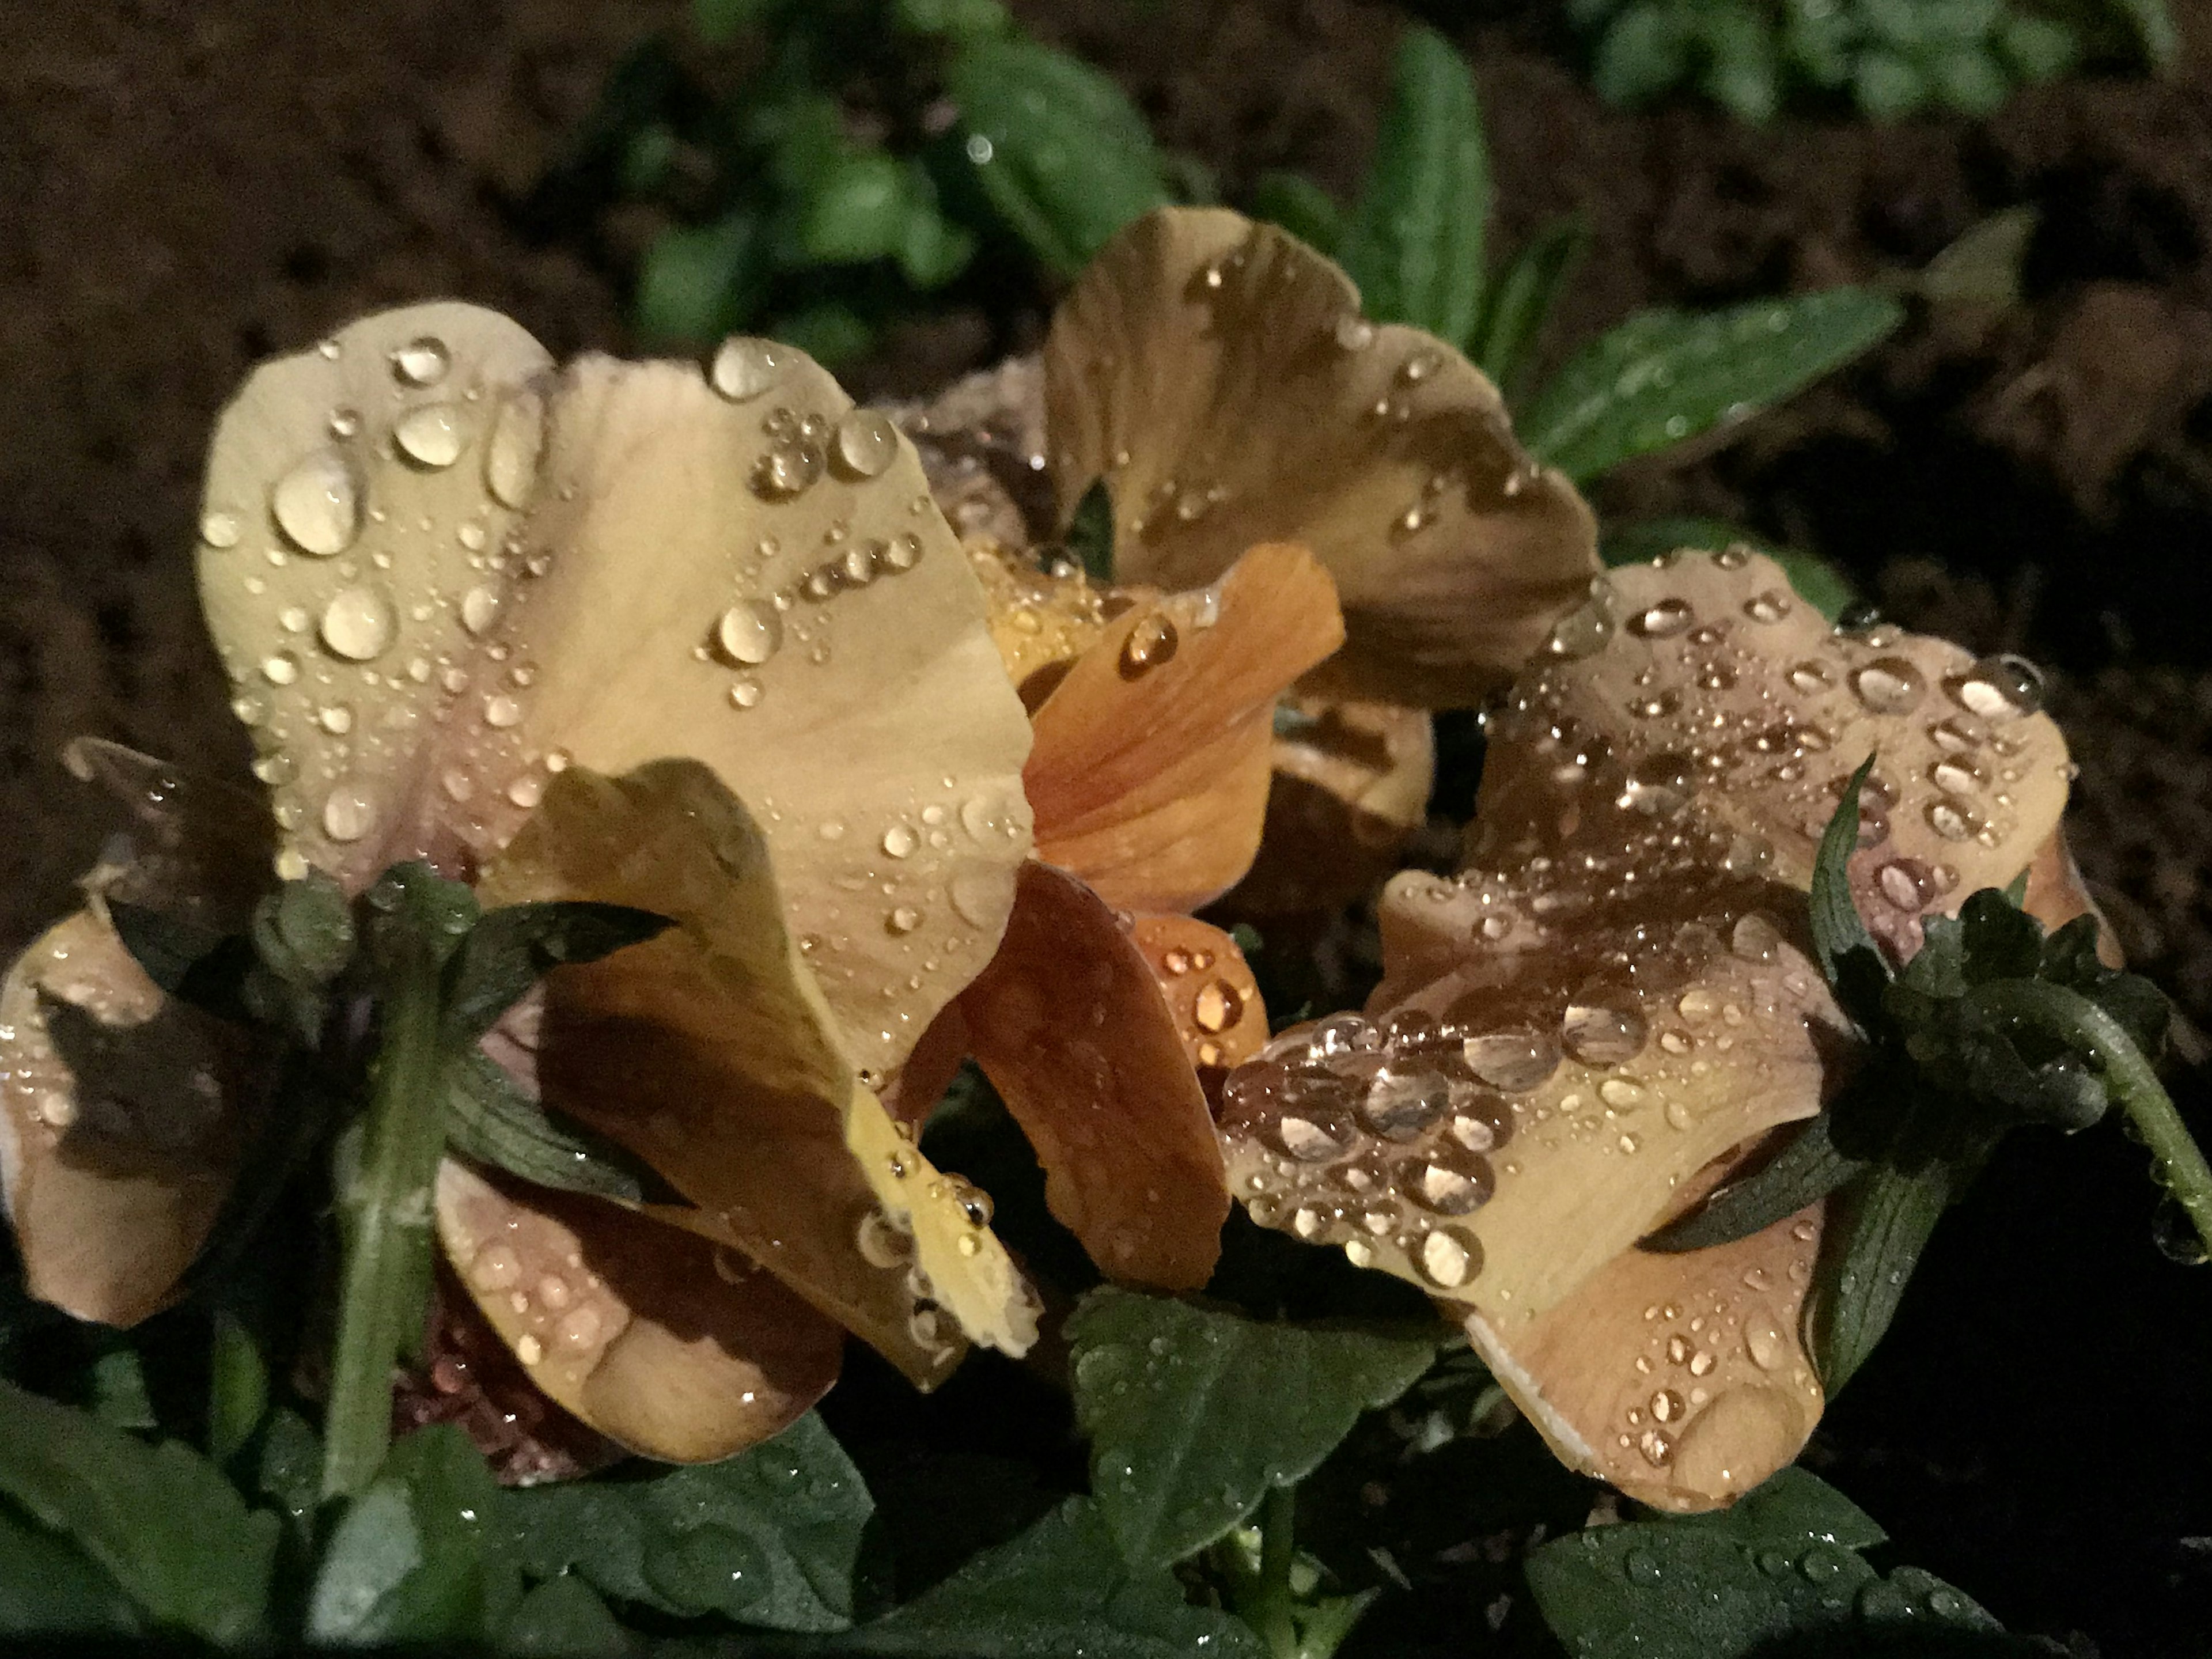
(1614, 1004)
(696, 643)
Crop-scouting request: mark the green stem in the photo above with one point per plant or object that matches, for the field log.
(384, 1221)
(2074, 1019)
(1272, 1612)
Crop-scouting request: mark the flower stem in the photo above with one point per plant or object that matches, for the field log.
(1270, 1610)
(2175, 1160)
(385, 1205)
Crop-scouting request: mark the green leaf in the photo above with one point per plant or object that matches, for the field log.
(1875, 1233)
(719, 21)
(1059, 150)
(1983, 266)
(856, 210)
(1414, 244)
(2152, 26)
(564, 1619)
(1887, 86)
(510, 950)
(932, 250)
(238, 1387)
(1059, 1589)
(1644, 51)
(48, 1589)
(953, 20)
(118, 1386)
(489, 1119)
(1741, 63)
(699, 282)
(1522, 300)
(161, 1519)
(2038, 48)
(1664, 376)
(1850, 960)
(1814, 581)
(1793, 1506)
(1731, 1585)
(1193, 1415)
(770, 1537)
(304, 931)
(1089, 539)
(1301, 207)
(414, 1559)
(1809, 1167)
(830, 332)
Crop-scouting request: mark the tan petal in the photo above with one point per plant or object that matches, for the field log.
(643, 1332)
(1217, 374)
(2056, 894)
(196, 848)
(914, 1091)
(358, 504)
(1351, 784)
(1040, 622)
(1682, 1379)
(1149, 777)
(982, 442)
(119, 1124)
(1210, 991)
(711, 1053)
(1702, 674)
(1527, 1106)
(1071, 1028)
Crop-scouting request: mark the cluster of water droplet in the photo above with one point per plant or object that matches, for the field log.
(1213, 1006)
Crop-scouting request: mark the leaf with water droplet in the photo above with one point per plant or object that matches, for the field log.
(511, 948)
(1090, 536)
(1195, 1414)
(1663, 376)
(1876, 1230)
(1848, 957)
(488, 1118)
(1808, 1169)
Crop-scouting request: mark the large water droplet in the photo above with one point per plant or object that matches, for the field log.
(1401, 1103)
(517, 435)
(349, 811)
(1515, 1062)
(432, 436)
(358, 623)
(1668, 617)
(479, 608)
(900, 841)
(866, 443)
(1449, 1258)
(220, 530)
(1599, 1036)
(1889, 685)
(745, 367)
(748, 633)
(1764, 1342)
(2000, 688)
(786, 469)
(1152, 642)
(316, 504)
(421, 361)
(1217, 1006)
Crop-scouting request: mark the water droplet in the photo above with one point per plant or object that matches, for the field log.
(1449, 1258)
(280, 668)
(1888, 686)
(1401, 1103)
(1515, 1062)
(2175, 1235)
(1952, 818)
(1217, 1006)
(1306, 1141)
(867, 443)
(745, 367)
(432, 436)
(786, 469)
(349, 811)
(220, 530)
(1904, 883)
(1641, 1568)
(1764, 1342)
(421, 361)
(1598, 1036)
(2000, 688)
(1448, 1181)
(1668, 617)
(1354, 332)
(1772, 606)
(1358, 1252)
(1623, 1094)
(494, 1267)
(526, 791)
(1151, 643)
(1581, 633)
(748, 633)
(337, 718)
(358, 623)
(900, 841)
(1755, 938)
(501, 711)
(517, 435)
(745, 692)
(316, 504)
(903, 920)
(881, 1244)
(479, 606)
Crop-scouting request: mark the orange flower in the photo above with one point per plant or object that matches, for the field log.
(1614, 1005)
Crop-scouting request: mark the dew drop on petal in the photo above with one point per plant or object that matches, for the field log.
(2000, 688)
(746, 367)
(1217, 1006)
(748, 633)
(281, 668)
(316, 504)
(1888, 686)
(517, 435)
(1668, 617)
(349, 811)
(1152, 642)
(1514, 1061)
(1599, 1036)
(357, 623)
(432, 436)
(220, 530)
(421, 361)
(866, 443)
(900, 841)
(479, 607)
(1449, 1258)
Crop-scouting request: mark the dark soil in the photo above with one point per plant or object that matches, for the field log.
(186, 185)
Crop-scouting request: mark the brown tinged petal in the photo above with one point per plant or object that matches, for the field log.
(1149, 773)
(710, 1052)
(1218, 374)
(651, 1336)
(1072, 1029)
(119, 1123)
(1680, 1379)
(1210, 993)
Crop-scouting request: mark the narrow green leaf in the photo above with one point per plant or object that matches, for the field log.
(510, 950)
(414, 1558)
(1806, 1170)
(489, 1119)
(49, 1589)
(1059, 150)
(1059, 1589)
(238, 1387)
(1522, 300)
(771, 1537)
(932, 250)
(722, 20)
(1664, 376)
(161, 1519)
(1089, 538)
(1301, 207)
(118, 1385)
(304, 931)
(1875, 1233)
(1849, 959)
(1193, 1415)
(1415, 242)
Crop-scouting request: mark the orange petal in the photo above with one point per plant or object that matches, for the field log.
(1680, 1379)
(1351, 784)
(1218, 374)
(119, 1123)
(710, 1052)
(1210, 991)
(1702, 675)
(642, 1331)
(913, 1093)
(1071, 1027)
(1149, 773)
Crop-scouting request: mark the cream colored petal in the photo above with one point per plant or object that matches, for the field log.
(354, 538)
(1149, 777)
(1680, 1379)
(1702, 674)
(645, 1333)
(1218, 374)
(1518, 1115)
(1040, 621)
(1210, 991)
(711, 1053)
(119, 1124)
(1073, 1030)
(1351, 783)
(760, 582)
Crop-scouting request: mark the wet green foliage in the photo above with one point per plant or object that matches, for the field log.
(1885, 58)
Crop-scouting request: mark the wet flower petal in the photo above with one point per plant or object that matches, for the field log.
(639, 1329)
(1040, 621)
(120, 1123)
(1218, 374)
(1149, 771)
(710, 1052)
(1210, 991)
(1680, 1379)
(1072, 1029)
